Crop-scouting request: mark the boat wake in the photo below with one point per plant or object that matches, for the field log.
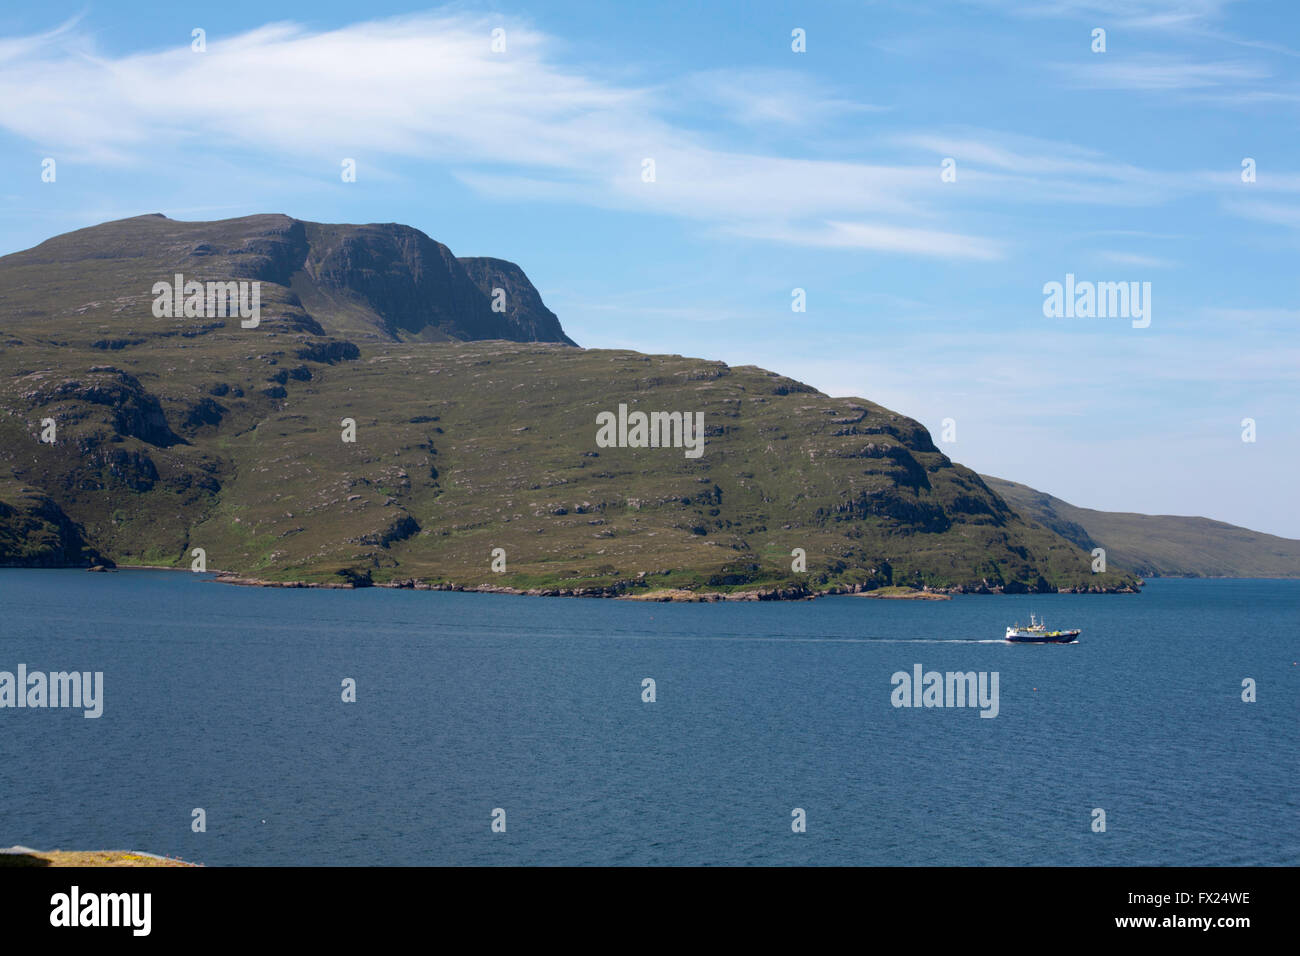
(938, 640)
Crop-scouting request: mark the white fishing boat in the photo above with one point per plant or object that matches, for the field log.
(1036, 632)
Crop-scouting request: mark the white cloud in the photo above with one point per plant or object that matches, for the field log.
(878, 237)
(1136, 259)
(1018, 168)
(1277, 214)
(521, 126)
(777, 99)
(430, 88)
(1149, 14)
(1161, 73)
(1255, 316)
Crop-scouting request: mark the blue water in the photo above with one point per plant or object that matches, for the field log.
(229, 699)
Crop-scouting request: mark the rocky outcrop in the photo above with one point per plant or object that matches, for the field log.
(409, 282)
(529, 320)
(129, 407)
(35, 533)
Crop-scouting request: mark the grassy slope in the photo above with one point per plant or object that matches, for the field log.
(1160, 545)
(462, 448)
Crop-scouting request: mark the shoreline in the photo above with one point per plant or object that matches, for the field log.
(23, 856)
(672, 595)
(623, 592)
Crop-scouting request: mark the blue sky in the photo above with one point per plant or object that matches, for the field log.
(774, 170)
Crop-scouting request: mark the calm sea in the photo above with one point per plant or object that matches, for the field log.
(230, 699)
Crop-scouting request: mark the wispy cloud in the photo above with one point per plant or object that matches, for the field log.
(1290, 317)
(518, 125)
(878, 237)
(429, 87)
(17, 48)
(1026, 169)
(1187, 18)
(773, 99)
(1136, 259)
(1135, 14)
(1154, 72)
(1279, 214)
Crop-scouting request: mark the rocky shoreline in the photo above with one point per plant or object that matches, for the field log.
(16, 856)
(623, 592)
(631, 591)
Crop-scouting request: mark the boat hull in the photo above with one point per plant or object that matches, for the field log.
(1060, 637)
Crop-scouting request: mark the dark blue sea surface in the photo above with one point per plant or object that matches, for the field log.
(229, 699)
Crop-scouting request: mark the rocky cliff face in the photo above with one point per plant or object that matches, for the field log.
(35, 533)
(526, 315)
(413, 285)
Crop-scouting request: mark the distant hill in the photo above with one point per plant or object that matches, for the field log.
(1159, 545)
(475, 430)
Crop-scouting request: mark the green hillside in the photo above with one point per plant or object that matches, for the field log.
(1159, 545)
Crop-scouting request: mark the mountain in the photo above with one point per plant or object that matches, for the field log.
(378, 282)
(1159, 545)
(475, 430)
